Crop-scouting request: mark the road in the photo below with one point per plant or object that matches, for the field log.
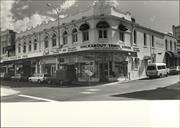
(146, 89)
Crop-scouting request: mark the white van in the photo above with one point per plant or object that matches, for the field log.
(156, 70)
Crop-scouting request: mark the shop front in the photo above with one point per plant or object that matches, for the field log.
(98, 66)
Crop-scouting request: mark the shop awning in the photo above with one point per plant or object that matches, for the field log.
(169, 54)
(175, 55)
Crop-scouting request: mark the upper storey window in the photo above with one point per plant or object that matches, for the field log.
(102, 27)
(35, 44)
(54, 40)
(19, 48)
(24, 47)
(46, 42)
(166, 44)
(122, 30)
(135, 37)
(65, 37)
(153, 41)
(30, 44)
(171, 45)
(85, 31)
(74, 35)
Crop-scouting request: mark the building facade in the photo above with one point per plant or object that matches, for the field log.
(7, 49)
(176, 33)
(99, 44)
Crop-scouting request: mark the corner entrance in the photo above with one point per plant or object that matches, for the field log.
(103, 70)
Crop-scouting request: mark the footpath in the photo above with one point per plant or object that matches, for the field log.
(6, 91)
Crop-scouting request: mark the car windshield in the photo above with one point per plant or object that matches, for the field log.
(151, 68)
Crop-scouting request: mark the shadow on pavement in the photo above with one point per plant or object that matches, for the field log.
(168, 93)
(14, 84)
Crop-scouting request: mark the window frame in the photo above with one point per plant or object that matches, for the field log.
(145, 39)
(152, 42)
(54, 40)
(166, 44)
(24, 47)
(135, 37)
(74, 35)
(85, 35)
(121, 35)
(46, 42)
(30, 46)
(65, 38)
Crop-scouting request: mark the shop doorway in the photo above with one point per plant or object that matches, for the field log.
(103, 69)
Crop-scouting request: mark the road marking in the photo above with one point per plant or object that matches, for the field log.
(87, 92)
(38, 98)
(93, 90)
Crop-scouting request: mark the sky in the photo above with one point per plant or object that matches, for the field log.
(20, 15)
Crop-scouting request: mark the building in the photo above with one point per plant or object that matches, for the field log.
(99, 44)
(176, 34)
(7, 49)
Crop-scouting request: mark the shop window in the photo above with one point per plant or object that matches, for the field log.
(74, 36)
(29, 46)
(153, 41)
(24, 47)
(35, 44)
(145, 39)
(166, 44)
(46, 42)
(65, 38)
(85, 32)
(54, 40)
(135, 63)
(121, 36)
(135, 37)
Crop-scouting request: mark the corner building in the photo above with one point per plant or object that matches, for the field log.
(99, 44)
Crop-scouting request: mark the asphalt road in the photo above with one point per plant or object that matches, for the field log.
(145, 89)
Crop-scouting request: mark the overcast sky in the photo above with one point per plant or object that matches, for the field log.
(22, 14)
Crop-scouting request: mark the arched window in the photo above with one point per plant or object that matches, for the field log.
(74, 35)
(122, 30)
(24, 47)
(54, 40)
(102, 27)
(171, 45)
(85, 31)
(35, 44)
(46, 42)
(30, 44)
(65, 37)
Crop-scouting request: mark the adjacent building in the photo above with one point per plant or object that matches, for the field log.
(99, 44)
(7, 49)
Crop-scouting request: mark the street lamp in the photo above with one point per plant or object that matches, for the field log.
(58, 14)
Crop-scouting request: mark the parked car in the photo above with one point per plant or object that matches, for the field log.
(19, 77)
(157, 70)
(174, 70)
(39, 78)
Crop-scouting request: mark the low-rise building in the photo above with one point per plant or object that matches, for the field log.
(100, 44)
(7, 50)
